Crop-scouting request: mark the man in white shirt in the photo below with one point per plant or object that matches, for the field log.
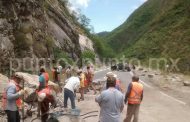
(72, 84)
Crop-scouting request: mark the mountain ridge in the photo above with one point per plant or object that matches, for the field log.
(158, 29)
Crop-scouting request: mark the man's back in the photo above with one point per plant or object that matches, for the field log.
(111, 102)
(72, 83)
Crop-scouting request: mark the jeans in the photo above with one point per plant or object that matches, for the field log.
(13, 116)
(69, 94)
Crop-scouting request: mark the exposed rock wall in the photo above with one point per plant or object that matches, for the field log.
(35, 28)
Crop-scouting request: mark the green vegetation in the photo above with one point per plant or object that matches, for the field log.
(158, 29)
(61, 56)
(21, 42)
(88, 54)
(49, 42)
(102, 48)
(26, 27)
(103, 34)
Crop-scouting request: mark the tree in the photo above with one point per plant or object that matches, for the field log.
(84, 21)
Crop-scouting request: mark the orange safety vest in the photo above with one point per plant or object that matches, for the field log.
(46, 77)
(45, 90)
(4, 98)
(136, 93)
(53, 74)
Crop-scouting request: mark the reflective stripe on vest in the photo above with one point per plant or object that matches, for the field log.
(136, 93)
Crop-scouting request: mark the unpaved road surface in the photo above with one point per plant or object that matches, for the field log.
(157, 106)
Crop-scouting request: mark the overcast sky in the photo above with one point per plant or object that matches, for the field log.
(105, 15)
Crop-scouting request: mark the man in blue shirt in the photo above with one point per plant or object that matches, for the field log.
(11, 99)
(111, 102)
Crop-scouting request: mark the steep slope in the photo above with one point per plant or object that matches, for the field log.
(38, 28)
(159, 28)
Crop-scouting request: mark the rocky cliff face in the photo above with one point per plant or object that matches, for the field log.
(35, 28)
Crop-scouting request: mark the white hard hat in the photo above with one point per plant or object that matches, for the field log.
(110, 74)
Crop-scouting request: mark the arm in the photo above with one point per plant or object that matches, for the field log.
(128, 92)
(122, 104)
(11, 93)
(98, 99)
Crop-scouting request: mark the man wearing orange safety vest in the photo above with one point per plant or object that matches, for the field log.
(11, 100)
(46, 96)
(43, 93)
(43, 79)
(134, 96)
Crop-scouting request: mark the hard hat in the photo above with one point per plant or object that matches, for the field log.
(110, 74)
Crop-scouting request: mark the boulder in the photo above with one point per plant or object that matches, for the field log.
(150, 75)
(186, 83)
(140, 69)
(157, 73)
(33, 80)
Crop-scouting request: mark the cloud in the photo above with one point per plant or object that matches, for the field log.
(83, 3)
(80, 3)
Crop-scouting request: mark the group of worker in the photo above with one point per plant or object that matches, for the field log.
(12, 100)
(75, 80)
(81, 82)
(111, 100)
